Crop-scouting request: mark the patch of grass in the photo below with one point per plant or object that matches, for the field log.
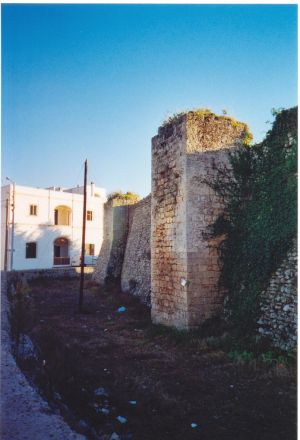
(270, 358)
(241, 356)
(252, 350)
(257, 349)
(193, 339)
(171, 334)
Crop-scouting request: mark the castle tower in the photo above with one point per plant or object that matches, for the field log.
(184, 262)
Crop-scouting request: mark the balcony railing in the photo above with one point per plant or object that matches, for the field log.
(59, 261)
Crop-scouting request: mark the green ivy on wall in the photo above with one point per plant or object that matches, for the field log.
(260, 218)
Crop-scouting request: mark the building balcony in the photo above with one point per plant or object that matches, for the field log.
(61, 261)
(62, 216)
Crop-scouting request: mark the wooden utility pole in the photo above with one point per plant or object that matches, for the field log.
(83, 241)
(6, 236)
(13, 227)
(12, 222)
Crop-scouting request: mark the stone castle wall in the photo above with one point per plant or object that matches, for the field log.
(136, 275)
(203, 207)
(163, 244)
(184, 266)
(168, 226)
(209, 139)
(279, 305)
(182, 272)
(115, 231)
(125, 254)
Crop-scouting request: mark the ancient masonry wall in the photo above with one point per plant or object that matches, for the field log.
(115, 231)
(184, 265)
(168, 226)
(57, 272)
(279, 305)
(136, 276)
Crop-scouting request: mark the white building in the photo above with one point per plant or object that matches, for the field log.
(44, 226)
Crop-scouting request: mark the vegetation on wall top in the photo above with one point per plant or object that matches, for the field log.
(123, 196)
(207, 113)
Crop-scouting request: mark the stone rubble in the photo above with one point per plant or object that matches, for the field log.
(278, 320)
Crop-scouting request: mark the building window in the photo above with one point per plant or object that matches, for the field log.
(89, 215)
(30, 250)
(90, 249)
(33, 210)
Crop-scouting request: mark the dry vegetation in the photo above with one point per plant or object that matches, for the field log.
(176, 379)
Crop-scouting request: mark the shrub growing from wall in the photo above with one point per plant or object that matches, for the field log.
(260, 218)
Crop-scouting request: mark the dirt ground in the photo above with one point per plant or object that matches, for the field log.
(103, 364)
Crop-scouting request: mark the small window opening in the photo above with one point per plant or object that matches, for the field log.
(30, 250)
(33, 209)
(89, 215)
(90, 249)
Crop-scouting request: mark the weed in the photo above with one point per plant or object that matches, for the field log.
(244, 356)
(129, 195)
(22, 311)
(171, 334)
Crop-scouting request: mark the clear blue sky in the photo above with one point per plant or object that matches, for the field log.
(96, 81)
